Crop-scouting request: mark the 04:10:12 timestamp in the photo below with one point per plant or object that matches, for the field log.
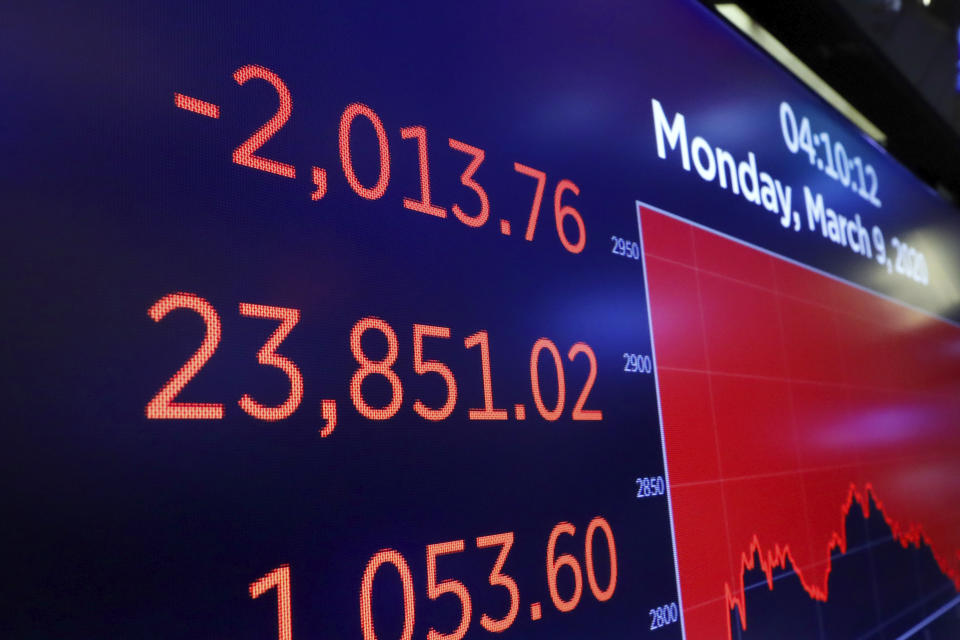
(850, 172)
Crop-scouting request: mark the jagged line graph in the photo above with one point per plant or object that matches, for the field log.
(892, 381)
(777, 557)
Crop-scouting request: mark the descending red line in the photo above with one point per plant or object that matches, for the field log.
(197, 106)
(777, 557)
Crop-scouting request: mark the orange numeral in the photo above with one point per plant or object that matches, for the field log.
(505, 541)
(268, 356)
(422, 366)
(488, 412)
(424, 204)
(369, 367)
(562, 212)
(279, 578)
(346, 161)
(538, 346)
(579, 413)
(162, 406)
(466, 179)
(457, 588)
(541, 179)
(554, 564)
(243, 155)
(386, 556)
(603, 525)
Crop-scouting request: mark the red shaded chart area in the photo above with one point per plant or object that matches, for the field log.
(787, 395)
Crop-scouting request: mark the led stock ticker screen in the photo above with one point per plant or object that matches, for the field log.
(435, 321)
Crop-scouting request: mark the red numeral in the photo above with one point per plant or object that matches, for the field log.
(162, 406)
(579, 413)
(455, 587)
(538, 346)
(541, 179)
(422, 366)
(268, 356)
(603, 525)
(381, 367)
(424, 205)
(488, 412)
(554, 564)
(562, 212)
(466, 179)
(505, 542)
(279, 578)
(243, 154)
(387, 556)
(346, 124)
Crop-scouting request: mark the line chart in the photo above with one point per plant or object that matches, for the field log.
(789, 397)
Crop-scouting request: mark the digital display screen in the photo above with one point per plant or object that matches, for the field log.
(378, 321)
